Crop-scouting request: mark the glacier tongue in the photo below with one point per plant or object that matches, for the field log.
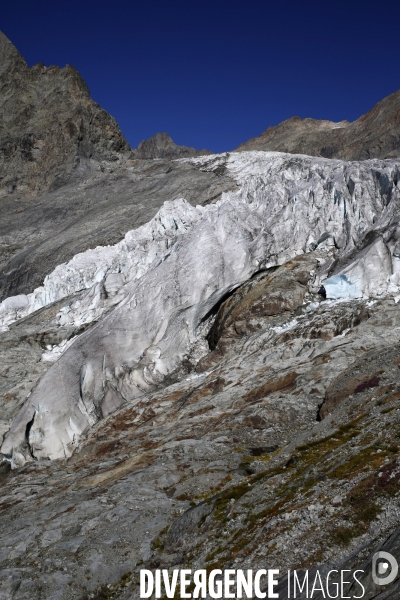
(166, 277)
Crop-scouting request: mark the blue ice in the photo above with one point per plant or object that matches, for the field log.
(339, 286)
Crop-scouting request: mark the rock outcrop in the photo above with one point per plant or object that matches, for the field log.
(374, 135)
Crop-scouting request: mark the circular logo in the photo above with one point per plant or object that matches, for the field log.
(384, 568)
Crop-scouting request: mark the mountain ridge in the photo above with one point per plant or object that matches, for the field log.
(375, 134)
(51, 130)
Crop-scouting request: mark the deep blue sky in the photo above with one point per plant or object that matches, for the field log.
(216, 73)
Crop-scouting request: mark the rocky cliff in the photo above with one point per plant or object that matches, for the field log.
(374, 135)
(199, 367)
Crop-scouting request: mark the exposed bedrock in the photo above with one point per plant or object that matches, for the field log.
(151, 335)
(265, 295)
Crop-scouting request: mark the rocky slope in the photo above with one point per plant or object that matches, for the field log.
(228, 460)
(51, 133)
(199, 367)
(374, 135)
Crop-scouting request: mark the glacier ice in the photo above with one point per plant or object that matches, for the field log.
(370, 273)
(340, 286)
(107, 267)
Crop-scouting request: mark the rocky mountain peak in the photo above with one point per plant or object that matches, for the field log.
(50, 126)
(161, 145)
(9, 55)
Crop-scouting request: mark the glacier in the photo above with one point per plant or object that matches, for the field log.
(149, 296)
